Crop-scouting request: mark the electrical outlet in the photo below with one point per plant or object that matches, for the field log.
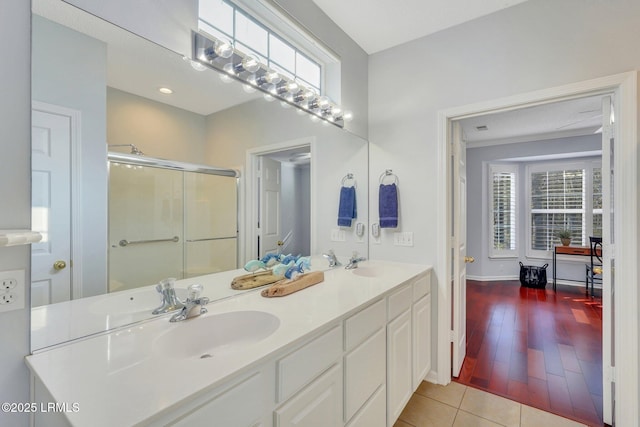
(7, 284)
(12, 290)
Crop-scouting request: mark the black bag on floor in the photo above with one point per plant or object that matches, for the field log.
(533, 276)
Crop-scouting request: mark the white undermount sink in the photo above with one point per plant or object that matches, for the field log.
(127, 302)
(367, 271)
(204, 336)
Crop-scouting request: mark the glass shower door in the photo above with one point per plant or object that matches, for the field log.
(146, 216)
(211, 224)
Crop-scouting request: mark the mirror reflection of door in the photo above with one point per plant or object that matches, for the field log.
(284, 201)
(269, 206)
(51, 207)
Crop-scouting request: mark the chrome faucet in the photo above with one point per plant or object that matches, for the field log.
(193, 306)
(331, 257)
(353, 262)
(170, 301)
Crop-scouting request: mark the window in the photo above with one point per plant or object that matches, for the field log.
(226, 21)
(502, 206)
(563, 196)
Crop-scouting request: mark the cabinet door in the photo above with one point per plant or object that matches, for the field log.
(364, 372)
(399, 367)
(372, 413)
(317, 405)
(421, 339)
(241, 405)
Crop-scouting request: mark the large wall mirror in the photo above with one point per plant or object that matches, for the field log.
(95, 90)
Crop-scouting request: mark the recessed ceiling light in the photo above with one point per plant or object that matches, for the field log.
(165, 90)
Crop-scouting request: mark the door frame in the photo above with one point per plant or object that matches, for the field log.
(75, 119)
(249, 206)
(625, 319)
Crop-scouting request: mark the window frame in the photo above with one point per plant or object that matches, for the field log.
(587, 211)
(204, 25)
(511, 168)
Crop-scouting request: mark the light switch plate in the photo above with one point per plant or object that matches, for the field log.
(403, 238)
(338, 235)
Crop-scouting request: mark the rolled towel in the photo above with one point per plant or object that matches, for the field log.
(347, 210)
(388, 205)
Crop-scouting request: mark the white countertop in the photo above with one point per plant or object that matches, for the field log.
(120, 378)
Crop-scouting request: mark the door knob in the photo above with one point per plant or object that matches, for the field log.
(469, 259)
(59, 265)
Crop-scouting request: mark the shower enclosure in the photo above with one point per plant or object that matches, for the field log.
(169, 219)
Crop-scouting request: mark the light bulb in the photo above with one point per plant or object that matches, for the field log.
(250, 64)
(223, 48)
(323, 102)
(272, 77)
(292, 87)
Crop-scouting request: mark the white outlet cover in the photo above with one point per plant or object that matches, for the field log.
(17, 293)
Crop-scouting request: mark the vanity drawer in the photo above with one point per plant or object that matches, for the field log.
(421, 287)
(297, 369)
(363, 324)
(399, 302)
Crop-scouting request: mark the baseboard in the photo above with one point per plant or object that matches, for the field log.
(549, 282)
(492, 278)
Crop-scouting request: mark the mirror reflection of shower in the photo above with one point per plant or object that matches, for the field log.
(169, 219)
(134, 149)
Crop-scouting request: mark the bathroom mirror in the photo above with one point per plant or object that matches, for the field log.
(95, 84)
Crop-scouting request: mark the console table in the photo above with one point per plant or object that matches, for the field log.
(568, 250)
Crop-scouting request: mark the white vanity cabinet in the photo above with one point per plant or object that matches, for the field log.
(356, 368)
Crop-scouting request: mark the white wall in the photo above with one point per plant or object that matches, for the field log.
(478, 238)
(59, 78)
(294, 203)
(157, 129)
(534, 45)
(15, 193)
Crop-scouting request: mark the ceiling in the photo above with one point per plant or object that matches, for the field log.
(381, 24)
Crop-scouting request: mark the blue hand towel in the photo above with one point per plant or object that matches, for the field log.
(388, 206)
(347, 209)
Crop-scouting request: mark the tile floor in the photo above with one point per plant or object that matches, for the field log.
(460, 406)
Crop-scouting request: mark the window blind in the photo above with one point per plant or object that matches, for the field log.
(503, 210)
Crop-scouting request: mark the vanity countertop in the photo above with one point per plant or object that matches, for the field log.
(121, 378)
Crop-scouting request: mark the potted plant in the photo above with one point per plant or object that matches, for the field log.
(565, 237)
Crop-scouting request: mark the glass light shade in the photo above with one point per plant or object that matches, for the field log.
(223, 48)
(272, 77)
(323, 102)
(250, 64)
(347, 116)
(293, 87)
(229, 71)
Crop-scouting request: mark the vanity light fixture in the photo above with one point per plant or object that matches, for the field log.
(165, 90)
(247, 69)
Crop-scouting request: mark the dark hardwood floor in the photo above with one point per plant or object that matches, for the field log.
(538, 347)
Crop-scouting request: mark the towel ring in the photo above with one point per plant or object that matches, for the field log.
(349, 177)
(386, 174)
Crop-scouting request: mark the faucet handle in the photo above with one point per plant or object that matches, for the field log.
(354, 255)
(167, 283)
(195, 291)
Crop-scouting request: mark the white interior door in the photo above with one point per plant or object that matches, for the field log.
(459, 253)
(608, 260)
(51, 208)
(269, 226)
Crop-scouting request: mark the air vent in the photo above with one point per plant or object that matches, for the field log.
(481, 128)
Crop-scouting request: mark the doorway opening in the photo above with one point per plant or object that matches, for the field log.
(624, 89)
(279, 194)
(525, 170)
